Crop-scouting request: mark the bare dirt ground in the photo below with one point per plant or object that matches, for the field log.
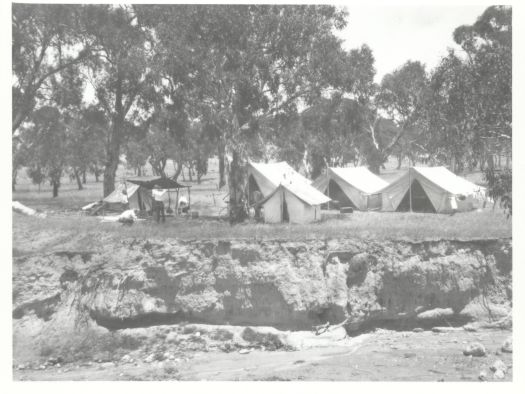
(382, 355)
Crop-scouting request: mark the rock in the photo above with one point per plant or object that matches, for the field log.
(21, 366)
(505, 323)
(418, 329)
(126, 359)
(475, 349)
(498, 366)
(482, 376)
(446, 329)
(54, 360)
(507, 345)
(499, 374)
(150, 358)
(108, 364)
(244, 351)
(470, 327)
(436, 314)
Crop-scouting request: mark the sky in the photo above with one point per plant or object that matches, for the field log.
(399, 33)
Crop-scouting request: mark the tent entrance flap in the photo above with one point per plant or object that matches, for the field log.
(286, 215)
(420, 200)
(337, 194)
(253, 190)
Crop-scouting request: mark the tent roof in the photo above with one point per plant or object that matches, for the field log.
(447, 180)
(304, 192)
(278, 172)
(360, 177)
(156, 182)
(118, 195)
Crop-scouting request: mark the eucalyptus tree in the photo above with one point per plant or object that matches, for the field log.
(47, 39)
(402, 97)
(487, 48)
(247, 63)
(470, 111)
(120, 74)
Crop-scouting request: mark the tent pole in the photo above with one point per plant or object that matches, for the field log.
(329, 207)
(177, 204)
(281, 195)
(410, 187)
(249, 202)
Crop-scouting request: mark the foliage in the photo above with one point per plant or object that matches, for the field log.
(85, 138)
(46, 41)
(45, 140)
(470, 111)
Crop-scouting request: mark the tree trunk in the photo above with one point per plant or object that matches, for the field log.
(399, 161)
(84, 177)
(110, 170)
(113, 147)
(317, 165)
(238, 209)
(56, 185)
(14, 175)
(177, 171)
(97, 174)
(189, 173)
(77, 177)
(221, 149)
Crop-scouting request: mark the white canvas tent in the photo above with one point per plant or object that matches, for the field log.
(134, 196)
(293, 202)
(433, 189)
(265, 178)
(354, 187)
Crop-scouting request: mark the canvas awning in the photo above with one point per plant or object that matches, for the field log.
(157, 182)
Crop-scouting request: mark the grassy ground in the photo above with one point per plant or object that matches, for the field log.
(65, 220)
(32, 235)
(205, 197)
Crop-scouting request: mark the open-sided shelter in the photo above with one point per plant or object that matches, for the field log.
(293, 202)
(431, 189)
(264, 178)
(354, 187)
(161, 187)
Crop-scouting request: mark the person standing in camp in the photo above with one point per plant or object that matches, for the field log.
(158, 208)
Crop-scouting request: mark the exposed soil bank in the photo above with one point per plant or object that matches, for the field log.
(287, 285)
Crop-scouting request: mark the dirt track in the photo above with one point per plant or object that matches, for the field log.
(383, 355)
